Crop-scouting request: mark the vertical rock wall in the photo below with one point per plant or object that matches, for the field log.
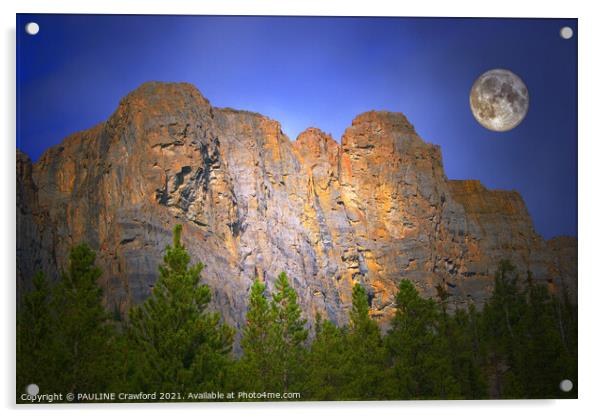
(375, 209)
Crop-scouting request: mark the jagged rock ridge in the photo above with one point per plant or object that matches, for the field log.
(375, 209)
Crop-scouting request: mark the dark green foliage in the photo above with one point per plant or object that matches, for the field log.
(421, 366)
(290, 335)
(174, 344)
(525, 330)
(521, 345)
(347, 363)
(255, 370)
(273, 340)
(565, 314)
(328, 354)
(542, 358)
(66, 340)
(502, 329)
(83, 337)
(34, 327)
(365, 353)
(462, 335)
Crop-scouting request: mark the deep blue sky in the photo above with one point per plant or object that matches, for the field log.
(322, 72)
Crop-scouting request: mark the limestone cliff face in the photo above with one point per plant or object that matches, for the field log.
(375, 209)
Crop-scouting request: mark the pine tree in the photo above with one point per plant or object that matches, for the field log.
(175, 344)
(567, 326)
(273, 340)
(421, 366)
(528, 352)
(290, 335)
(364, 356)
(81, 339)
(504, 331)
(463, 352)
(33, 336)
(255, 370)
(326, 357)
(542, 359)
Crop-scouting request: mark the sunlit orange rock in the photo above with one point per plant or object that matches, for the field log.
(375, 209)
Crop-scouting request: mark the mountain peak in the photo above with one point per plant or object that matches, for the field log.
(373, 210)
(314, 144)
(159, 89)
(161, 98)
(381, 118)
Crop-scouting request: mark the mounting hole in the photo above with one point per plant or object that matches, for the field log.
(32, 389)
(566, 385)
(566, 32)
(32, 28)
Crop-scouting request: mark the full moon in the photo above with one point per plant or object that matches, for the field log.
(499, 100)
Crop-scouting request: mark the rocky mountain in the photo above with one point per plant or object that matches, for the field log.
(373, 209)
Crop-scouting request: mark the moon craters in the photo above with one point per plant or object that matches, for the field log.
(499, 100)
